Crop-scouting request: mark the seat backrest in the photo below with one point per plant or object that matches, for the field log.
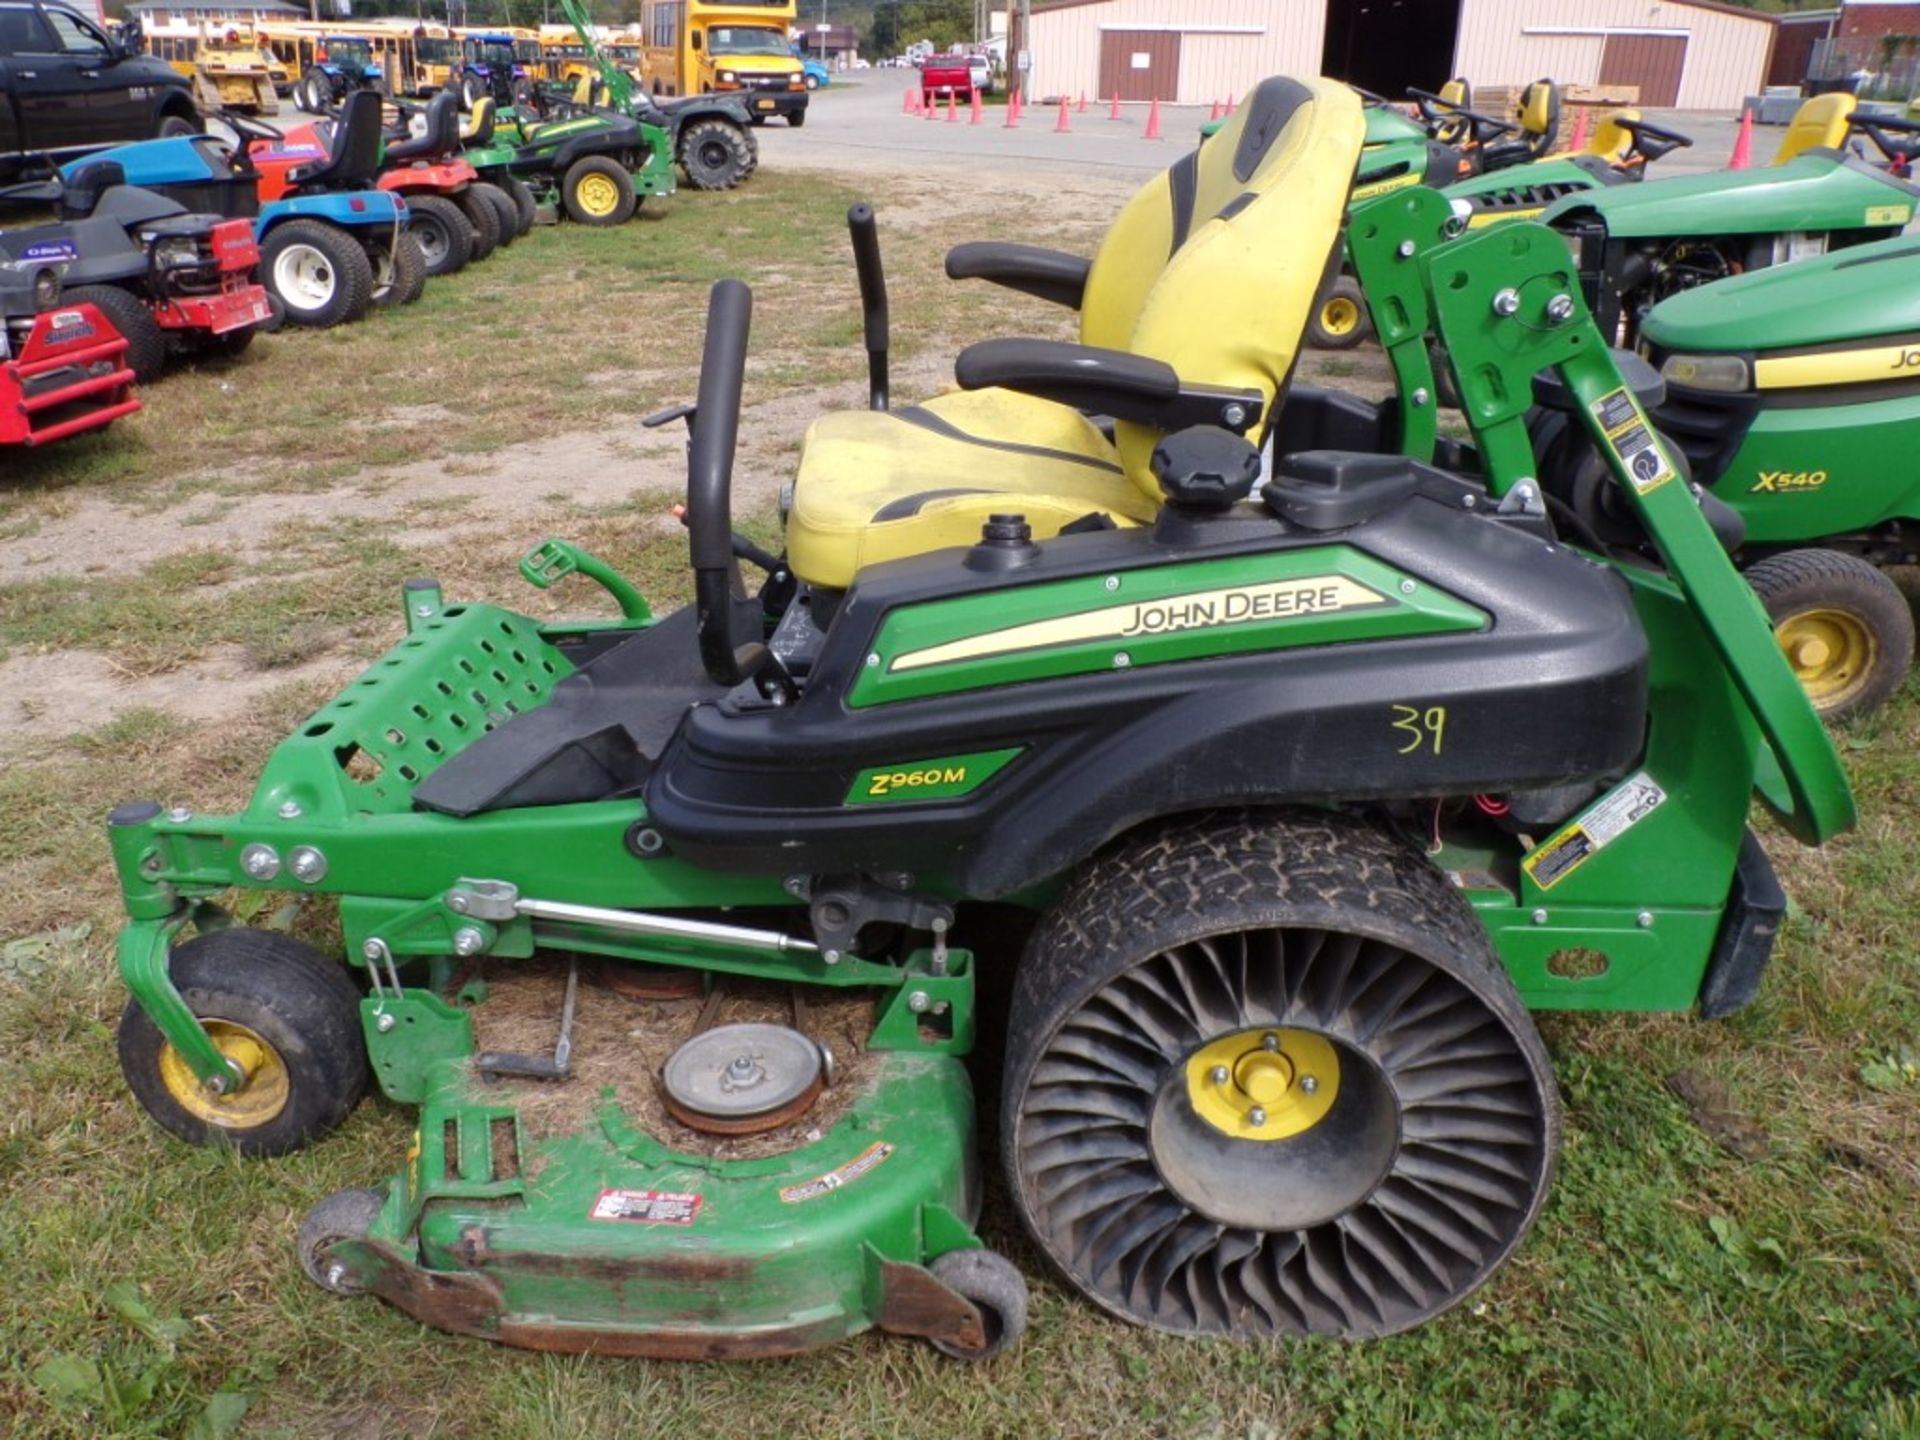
(583, 89)
(85, 184)
(439, 136)
(1611, 140)
(478, 128)
(1213, 266)
(353, 152)
(1458, 92)
(1538, 111)
(1822, 123)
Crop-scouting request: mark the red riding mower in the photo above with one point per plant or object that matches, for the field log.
(62, 369)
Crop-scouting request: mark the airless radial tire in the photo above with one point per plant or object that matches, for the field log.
(1265, 1076)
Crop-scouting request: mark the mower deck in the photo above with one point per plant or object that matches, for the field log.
(581, 1217)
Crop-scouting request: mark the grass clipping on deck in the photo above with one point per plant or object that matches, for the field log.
(620, 1044)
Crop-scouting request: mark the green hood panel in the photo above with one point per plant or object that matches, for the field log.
(1810, 192)
(1854, 294)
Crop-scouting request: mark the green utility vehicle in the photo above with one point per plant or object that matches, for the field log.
(1276, 815)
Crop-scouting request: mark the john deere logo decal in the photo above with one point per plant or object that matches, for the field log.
(1202, 610)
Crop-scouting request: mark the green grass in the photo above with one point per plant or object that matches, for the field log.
(1672, 1289)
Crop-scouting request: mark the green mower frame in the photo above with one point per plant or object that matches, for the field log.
(1654, 877)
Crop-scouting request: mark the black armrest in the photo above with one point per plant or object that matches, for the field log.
(1105, 382)
(1051, 275)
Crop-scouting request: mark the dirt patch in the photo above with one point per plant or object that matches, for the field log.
(47, 696)
(619, 1045)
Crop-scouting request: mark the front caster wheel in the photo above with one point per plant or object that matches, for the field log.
(281, 1012)
(1844, 627)
(998, 1291)
(343, 1215)
(1267, 1077)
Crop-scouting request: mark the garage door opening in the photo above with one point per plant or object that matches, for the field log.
(1386, 45)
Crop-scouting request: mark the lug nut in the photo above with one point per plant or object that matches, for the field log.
(1256, 1117)
(1219, 1075)
(1269, 1041)
(1308, 1085)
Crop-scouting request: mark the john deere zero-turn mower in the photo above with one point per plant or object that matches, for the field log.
(1304, 797)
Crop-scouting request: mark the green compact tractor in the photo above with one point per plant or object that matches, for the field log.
(1276, 812)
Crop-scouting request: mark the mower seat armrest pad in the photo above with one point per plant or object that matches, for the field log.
(1094, 381)
(1112, 382)
(1051, 275)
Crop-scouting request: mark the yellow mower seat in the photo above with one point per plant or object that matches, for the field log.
(881, 485)
(477, 128)
(1611, 141)
(1822, 123)
(1211, 268)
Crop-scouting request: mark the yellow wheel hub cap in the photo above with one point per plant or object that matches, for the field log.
(261, 1095)
(1339, 316)
(1268, 1084)
(598, 195)
(1831, 651)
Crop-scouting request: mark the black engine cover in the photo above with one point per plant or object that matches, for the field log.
(1550, 690)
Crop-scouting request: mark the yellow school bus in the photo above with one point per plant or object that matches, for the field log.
(693, 47)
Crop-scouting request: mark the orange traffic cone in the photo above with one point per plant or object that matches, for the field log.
(1579, 136)
(1013, 110)
(1083, 102)
(1153, 120)
(1232, 104)
(953, 113)
(1743, 147)
(976, 109)
(1114, 113)
(930, 110)
(1218, 111)
(1062, 127)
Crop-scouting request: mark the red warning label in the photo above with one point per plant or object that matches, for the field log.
(647, 1207)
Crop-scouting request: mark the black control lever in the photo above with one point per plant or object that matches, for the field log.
(873, 299)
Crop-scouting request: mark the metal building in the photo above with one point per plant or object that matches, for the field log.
(1696, 54)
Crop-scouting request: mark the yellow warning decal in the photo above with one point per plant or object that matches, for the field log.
(868, 1159)
(1621, 808)
(1629, 437)
(1838, 367)
(1889, 214)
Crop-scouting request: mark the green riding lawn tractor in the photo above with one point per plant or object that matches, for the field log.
(1275, 813)
(1639, 244)
(595, 166)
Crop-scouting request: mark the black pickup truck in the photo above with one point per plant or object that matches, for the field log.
(66, 86)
